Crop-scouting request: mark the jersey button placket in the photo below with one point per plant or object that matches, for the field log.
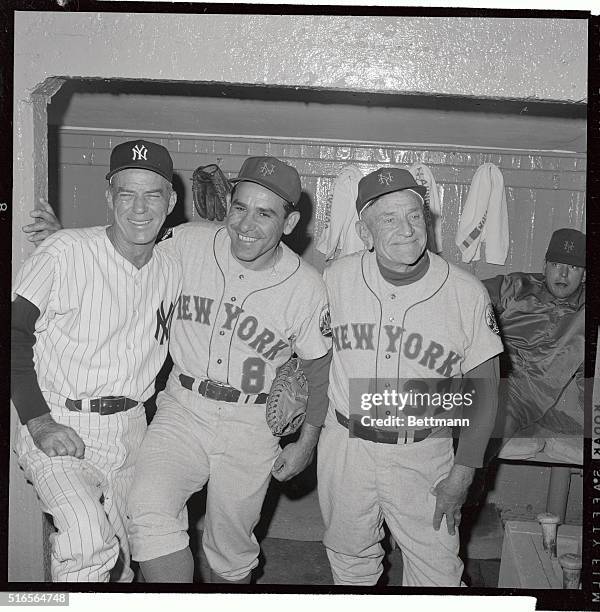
(135, 310)
(136, 299)
(391, 342)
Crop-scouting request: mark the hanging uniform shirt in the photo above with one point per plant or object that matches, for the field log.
(339, 237)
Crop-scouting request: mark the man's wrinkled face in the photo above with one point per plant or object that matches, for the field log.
(256, 221)
(563, 280)
(395, 226)
(140, 200)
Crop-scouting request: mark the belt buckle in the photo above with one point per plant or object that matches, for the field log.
(110, 404)
(215, 390)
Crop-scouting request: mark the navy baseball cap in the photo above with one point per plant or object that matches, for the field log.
(272, 173)
(141, 154)
(383, 181)
(567, 246)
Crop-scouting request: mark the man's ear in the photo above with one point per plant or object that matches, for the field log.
(109, 200)
(172, 201)
(290, 222)
(364, 234)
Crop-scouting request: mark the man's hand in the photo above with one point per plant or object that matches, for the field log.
(54, 439)
(296, 456)
(451, 493)
(46, 223)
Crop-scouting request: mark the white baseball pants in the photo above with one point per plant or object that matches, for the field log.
(361, 484)
(193, 442)
(87, 497)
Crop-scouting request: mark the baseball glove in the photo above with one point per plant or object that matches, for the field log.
(286, 404)
(210, 188)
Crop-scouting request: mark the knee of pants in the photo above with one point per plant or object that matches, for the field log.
(356, 570)
(76, 558)
(232, 558)
(154, 530)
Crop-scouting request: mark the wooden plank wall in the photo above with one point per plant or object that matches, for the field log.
(544, 190)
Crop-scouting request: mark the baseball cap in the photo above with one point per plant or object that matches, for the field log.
(385, 180)
(567, 246)
(272, 173)
(141, 154)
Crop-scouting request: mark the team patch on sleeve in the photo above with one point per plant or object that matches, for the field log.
(490, 319)
(325, 322)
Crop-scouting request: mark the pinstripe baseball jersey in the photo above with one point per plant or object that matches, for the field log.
(440, 326)
(104, 324)
(236, 325)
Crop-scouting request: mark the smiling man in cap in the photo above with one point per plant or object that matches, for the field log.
(402, 318)
(248, 303)
(90, 328)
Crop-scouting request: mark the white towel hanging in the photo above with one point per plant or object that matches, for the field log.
(484, 218)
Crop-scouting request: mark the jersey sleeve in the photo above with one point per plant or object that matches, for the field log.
(37, 282)
(317, 376)
(25, 390)
(484, 333)
(474, 437)
(313, 338)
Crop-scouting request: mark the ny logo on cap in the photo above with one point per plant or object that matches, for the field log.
(266, 169)
(568, 245)
(139, 153)
(386, 177)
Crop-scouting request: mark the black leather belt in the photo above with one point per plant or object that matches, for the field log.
(379, 435)
(219, 392)
(102, 405)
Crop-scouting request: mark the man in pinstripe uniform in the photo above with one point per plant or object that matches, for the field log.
(91, 316)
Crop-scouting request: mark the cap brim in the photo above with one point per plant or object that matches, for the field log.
(266, 186)
(565, 259)
(419, 190)
(156, 171)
